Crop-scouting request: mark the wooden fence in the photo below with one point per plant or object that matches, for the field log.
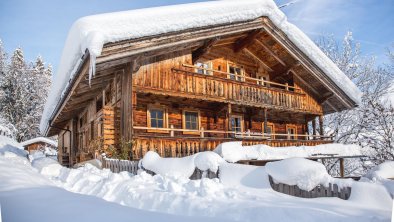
(319, 191)
(117, 166)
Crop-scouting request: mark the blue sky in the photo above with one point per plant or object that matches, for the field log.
(40, 27)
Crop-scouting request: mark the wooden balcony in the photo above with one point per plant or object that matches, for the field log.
(171, 146)
(246, 91)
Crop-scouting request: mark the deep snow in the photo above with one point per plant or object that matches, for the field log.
(243, 193)
(234, 151)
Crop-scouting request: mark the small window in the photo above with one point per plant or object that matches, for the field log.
(291, 132)
(236, 123)
(201, 67)
(270, 129)
(236, 73)
(262, 80)
(191, 120)
(157, 118)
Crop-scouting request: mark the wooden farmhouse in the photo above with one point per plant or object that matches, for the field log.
(187, 90)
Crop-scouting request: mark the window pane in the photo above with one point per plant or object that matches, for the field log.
(160, 114)
(153, 123)
(160, 123)
(194, 126)
(188, 125)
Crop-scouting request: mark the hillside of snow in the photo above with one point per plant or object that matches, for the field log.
(45, 191)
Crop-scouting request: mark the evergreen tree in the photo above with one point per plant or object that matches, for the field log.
(23, 93)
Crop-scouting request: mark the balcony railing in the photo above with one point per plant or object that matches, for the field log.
(186, 83)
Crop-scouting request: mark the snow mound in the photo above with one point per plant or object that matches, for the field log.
(92, 32)
(234, 151)
(181, 167)
(47, 166)
(382, 171)
(11, 151)
(176, 167)
(382, 174)
(306, 174)
(208, 161)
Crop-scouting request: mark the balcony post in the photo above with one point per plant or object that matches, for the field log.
(321, 128)
(202, 132)
(314, 128)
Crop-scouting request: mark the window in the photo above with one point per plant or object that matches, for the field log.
(157, 118)
(191, 120)
(236, 73)
(236, 123)
(291, 132)
(261, 80)
(202, 66)
(270, 129)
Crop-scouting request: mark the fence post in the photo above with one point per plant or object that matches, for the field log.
(248, 132)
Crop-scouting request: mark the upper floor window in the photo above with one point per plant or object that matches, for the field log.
(203, 67)
(262, 80)
(236, 73)
(236, 123)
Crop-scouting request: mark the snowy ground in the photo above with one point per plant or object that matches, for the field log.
(44, 191)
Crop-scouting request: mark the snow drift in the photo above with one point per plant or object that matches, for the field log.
(234, 151)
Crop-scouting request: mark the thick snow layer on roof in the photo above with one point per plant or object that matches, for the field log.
(92, 32)
(234, 151)
(38, 140)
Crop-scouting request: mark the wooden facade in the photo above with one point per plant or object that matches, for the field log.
(186, 92)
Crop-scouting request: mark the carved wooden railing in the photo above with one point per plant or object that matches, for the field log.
(184, 83)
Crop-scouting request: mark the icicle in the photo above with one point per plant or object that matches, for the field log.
(92, 67)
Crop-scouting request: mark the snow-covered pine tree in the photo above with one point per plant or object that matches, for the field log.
(13, 93)
(23, 93)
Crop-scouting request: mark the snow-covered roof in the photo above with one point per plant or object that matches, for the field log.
(38, 140)
(92, 32)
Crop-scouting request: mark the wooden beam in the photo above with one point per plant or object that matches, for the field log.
(245, 42)
(326, 97)
(341, 167)
(204, 49)
(259, 60)
(125, 107)
(272, 53)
